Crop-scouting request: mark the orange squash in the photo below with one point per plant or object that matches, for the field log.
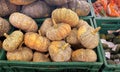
(36, 41)
(58, 31)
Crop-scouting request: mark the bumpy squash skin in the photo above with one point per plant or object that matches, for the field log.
(85, 55)
(6, 8)
(13, 41)
(45, 26)
(72, 37)
(87, 38)
(57, 2)
(38, 9)
(81, 7)
(36, 42)
(40, 57)
(24, 54)
(23, 22)
(63, 15)
(58, 33)
(22, 2)
(57, 53)
(4, 26)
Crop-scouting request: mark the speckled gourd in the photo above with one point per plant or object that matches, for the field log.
(88, 36)
(13, 40)
(60, 51)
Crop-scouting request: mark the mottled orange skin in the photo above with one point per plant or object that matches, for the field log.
(36, 42)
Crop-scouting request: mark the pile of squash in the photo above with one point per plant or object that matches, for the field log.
(61, 38)
(42, 8)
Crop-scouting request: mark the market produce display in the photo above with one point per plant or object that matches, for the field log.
(111, 45)
(107, 8)
(53, 41)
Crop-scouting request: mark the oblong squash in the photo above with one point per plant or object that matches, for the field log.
(63, 15)
(36, 41)
(85, 55)
(12, 41)
(23, 22)
(40, 57)
(23, 54)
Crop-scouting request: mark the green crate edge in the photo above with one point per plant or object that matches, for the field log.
(73, 65)
(107, 66)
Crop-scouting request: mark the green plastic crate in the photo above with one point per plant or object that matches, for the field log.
(108, 24)
(18, 66)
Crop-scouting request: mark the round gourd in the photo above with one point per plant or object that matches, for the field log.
(88, 36)
(37, 9)
(57, 2)
(82, 8)
(6, 8)
(22, 2)
(72, 37)
(12, 41)
(23, 22)
(22, 54)
(58, 31)
(40, 57)
(4, 26)
(63, 15)
(45, 25)
(60, 51)
(81, 23)
(36, 41)
(85, 55)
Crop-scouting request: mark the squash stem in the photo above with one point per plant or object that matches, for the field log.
(64, 46)
(54, 23)
(96, 30)
(39, 32)
(6, 35)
